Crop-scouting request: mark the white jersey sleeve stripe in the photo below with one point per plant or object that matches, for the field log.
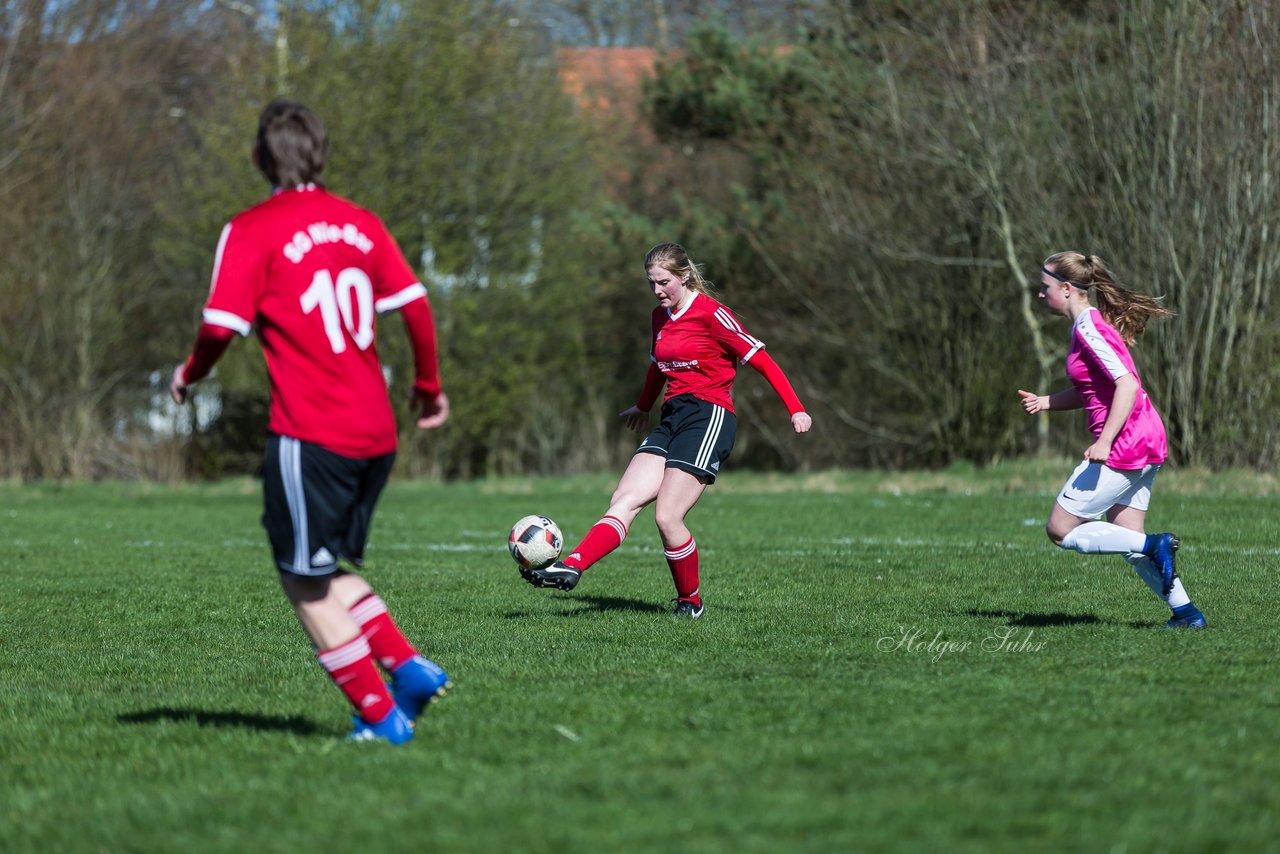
(400, 298)
(227, 320)
(729, 322)
(217, 257)
(1093, 339)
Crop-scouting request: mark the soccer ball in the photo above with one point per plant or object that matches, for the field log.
(535, 542)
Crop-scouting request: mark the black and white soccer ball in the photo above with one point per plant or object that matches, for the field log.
(535, 542)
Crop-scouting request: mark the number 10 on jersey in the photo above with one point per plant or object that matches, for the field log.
(346, 303)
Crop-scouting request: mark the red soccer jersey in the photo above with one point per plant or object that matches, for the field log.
(312, 270)
(697, 349)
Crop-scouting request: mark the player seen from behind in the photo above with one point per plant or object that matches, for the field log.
(697, 344)
(311, 270)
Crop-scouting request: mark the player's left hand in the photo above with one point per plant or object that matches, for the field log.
(434, 411)
(801, 422)
(1098, 452)
(178, 387)
(635, 418)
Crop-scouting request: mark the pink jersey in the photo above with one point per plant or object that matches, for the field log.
(697, 349)
(1097, 358)
(312, 270)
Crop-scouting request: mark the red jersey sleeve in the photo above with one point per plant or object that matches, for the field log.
(653, 382)
(728, 332)
(421, 326)
(395, 284)
(211, 343)
(239, 273)
(396, 287)
(770, 370)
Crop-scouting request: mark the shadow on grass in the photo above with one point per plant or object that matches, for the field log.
(1032, 621)
(587, 604)
(264, 723)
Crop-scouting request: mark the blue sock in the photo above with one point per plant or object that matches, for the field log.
(1187, 610)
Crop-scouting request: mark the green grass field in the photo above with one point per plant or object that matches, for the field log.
(846, 689)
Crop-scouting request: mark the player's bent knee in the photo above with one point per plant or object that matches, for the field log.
(669, 524)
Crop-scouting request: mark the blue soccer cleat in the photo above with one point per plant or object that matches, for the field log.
(1161, 549)
(416, 683)
(396, 728)
(1187, 617)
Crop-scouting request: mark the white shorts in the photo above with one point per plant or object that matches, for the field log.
(1094, 488)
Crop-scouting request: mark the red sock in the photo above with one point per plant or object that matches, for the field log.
(352, 668)
(604, 536)
(386, 641)
(684, 570)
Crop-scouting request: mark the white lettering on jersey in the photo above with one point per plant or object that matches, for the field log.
(677, 366)
(320, 233)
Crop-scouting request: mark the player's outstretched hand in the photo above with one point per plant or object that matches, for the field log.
(178, 385)
(433, 411)
(1033, 402)
(637, 419)
(801, 422)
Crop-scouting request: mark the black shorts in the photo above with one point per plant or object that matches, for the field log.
(694, 435)
(317, 505)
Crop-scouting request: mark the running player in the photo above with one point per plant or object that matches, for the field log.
(696, 343)
(1115, 477)
(310, 270)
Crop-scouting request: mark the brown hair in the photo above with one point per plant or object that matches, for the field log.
(292, 144)
(673, 258)
(1124, 309)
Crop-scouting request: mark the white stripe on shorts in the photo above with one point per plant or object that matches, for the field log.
(291, 477)
(709, 440)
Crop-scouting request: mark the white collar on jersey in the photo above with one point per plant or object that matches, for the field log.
(675, 315)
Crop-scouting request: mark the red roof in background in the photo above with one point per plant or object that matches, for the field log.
(606, 79)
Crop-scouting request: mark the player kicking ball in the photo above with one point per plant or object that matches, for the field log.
(697, 345)
(311, 270)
